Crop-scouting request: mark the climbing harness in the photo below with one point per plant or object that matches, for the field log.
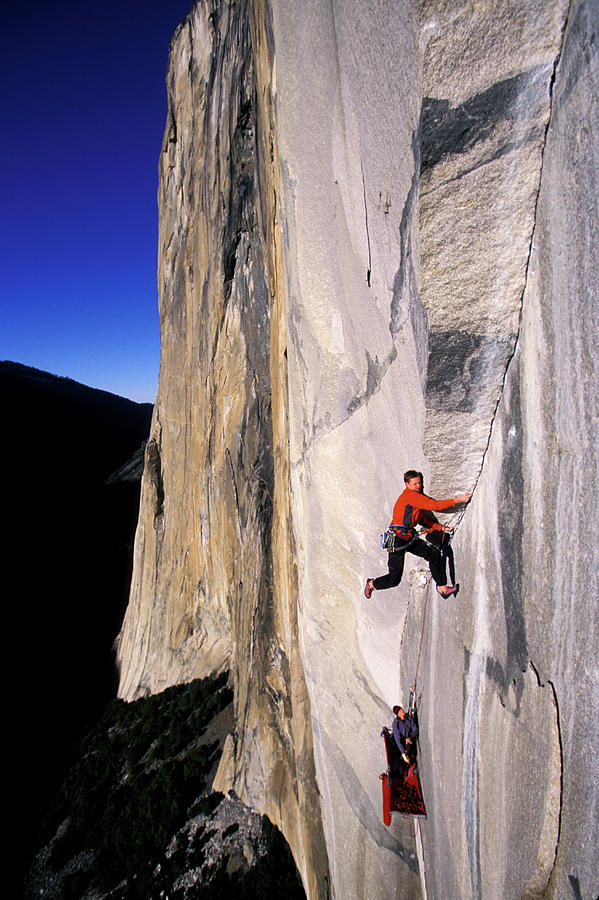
(392, 542)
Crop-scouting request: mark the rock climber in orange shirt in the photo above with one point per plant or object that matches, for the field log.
(413, 508)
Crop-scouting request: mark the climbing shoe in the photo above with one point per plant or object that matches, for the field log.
(453, 589)
(368, 589)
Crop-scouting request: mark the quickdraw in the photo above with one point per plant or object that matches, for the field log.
(393, 543)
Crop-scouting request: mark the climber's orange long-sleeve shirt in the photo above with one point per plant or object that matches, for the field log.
(409, 511)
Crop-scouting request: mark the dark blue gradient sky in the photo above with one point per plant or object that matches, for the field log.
(83, 112)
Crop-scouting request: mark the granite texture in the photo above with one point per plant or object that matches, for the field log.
(378, 235)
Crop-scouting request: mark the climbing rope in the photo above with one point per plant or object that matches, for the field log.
(448, 553)
(412, 703)
(456, 518)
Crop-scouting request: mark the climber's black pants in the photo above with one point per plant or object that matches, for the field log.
(396, 562)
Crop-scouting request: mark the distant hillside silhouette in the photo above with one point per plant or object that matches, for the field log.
(66, 567)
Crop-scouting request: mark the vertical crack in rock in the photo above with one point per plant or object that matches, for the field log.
(241, 187)
(551, 89)
(405, 284)
(550, 831)
(481, 166)
(462, 128)
(153, 467)
(233, 481)
(369, 269)
(170, 132)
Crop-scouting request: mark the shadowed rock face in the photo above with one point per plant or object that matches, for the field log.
(66, 577)
(376, 234)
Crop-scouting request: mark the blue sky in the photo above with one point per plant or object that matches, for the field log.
(83, 111)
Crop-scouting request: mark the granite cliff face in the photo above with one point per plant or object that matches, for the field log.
(377, 235)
